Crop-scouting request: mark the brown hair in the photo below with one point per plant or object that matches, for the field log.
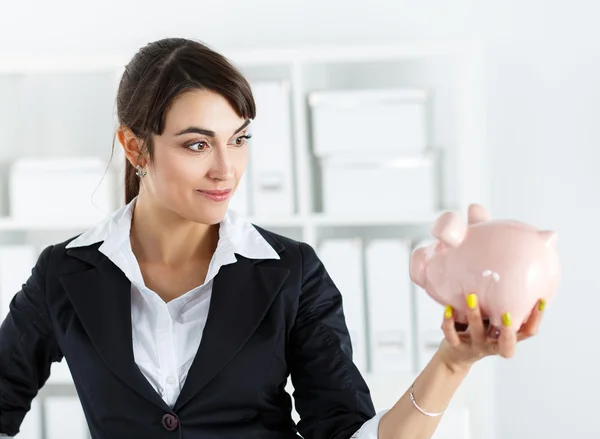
(161, 71)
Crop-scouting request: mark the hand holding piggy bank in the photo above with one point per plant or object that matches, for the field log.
(508, 264)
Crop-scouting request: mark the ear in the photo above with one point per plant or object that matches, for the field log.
(449, 229)
(478, 214)
(132, 146)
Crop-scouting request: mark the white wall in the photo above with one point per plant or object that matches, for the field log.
(543, 87)
(544, 113)
(126, 24)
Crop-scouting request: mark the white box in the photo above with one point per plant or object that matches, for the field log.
(343, 261)
(390, 306)
(60, 373)
(61, 189)
(272, 188)
(65, 418)
(390, 186)
(379, 121)
(16, 264)
(31, 428)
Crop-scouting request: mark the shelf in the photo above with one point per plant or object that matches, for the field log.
(368, 220)
(8, 224)
(328, 53)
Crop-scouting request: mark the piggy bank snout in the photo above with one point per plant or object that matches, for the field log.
(417, 266)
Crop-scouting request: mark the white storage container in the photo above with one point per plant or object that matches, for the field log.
(272, 183)
(392, 187)
(387, 120)
(53, 189)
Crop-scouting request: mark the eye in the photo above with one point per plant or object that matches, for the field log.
(197, 146)
(242, 140)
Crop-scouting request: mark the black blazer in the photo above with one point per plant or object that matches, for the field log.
(268, 319)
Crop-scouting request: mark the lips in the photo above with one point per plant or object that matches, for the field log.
(216, 195)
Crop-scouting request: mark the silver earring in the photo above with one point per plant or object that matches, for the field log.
(140, 171)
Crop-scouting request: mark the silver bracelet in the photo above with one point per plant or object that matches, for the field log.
(412, 398)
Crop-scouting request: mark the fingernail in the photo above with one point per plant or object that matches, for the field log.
(448, 312)
(506, 319)
(494, 332)
(472, 300)
(541, 304)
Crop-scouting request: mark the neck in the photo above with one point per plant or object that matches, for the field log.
(160, 236)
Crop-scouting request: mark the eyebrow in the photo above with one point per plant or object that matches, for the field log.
(209, 133)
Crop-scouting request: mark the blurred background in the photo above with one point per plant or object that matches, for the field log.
(435, 103)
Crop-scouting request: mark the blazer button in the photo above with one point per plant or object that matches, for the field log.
(170, 422)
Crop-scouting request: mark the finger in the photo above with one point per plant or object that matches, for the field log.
(531, 327)
(476, 329)
(508, 337)
(449, 329)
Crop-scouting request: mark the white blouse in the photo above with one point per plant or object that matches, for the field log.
(166, 336)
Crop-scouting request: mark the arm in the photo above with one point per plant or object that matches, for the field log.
(433, 390)
(27, 349)
(331, 397)
(438, 382)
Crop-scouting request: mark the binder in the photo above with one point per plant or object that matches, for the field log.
(271, 150)
(429, 317)
(343, 261)
(240, 201)
(390, 306)
(455, 424)
(16, 264)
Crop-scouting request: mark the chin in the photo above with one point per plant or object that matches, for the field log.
(210, 216)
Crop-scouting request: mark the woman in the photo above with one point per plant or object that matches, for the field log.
(180, 319)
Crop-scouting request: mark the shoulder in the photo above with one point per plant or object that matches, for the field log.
(293, 252)
(283, 243)
(59, 259)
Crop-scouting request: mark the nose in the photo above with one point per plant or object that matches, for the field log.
(221, 166)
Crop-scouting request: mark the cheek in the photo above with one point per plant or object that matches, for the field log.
(174, 169)
(239, 162)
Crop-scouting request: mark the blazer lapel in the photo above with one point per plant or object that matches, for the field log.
(101, 297)
(242, 294)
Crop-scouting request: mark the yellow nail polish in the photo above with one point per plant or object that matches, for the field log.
(472, 300)
(506, 319)
(448, 312)
(541, 304)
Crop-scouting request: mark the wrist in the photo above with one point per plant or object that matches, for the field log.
(453, 365)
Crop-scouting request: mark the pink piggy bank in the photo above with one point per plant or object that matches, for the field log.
(508, 264)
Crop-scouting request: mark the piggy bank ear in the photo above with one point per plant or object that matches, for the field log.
(449, 229)
(549, 237)
(478, 214)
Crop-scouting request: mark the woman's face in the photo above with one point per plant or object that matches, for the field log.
(199, 159)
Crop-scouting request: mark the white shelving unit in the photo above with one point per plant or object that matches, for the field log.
(451, 70)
